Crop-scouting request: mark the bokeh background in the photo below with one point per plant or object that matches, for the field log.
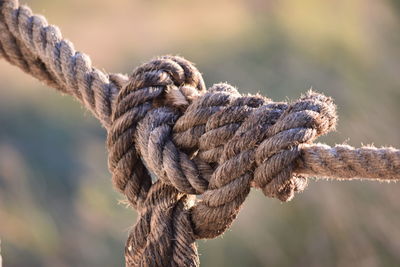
(57, 204)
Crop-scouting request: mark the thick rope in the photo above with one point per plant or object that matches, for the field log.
(215, 144)
(28, 42)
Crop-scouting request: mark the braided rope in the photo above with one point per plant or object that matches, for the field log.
(215, 144)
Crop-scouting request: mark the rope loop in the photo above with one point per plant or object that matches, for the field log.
(163, 82)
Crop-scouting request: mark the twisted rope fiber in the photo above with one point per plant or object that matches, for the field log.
(204, 148)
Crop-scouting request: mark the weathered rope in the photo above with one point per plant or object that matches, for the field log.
(37, 48)
(215, 144)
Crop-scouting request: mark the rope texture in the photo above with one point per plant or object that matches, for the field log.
(186, 157)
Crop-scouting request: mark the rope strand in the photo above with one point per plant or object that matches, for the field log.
(346, 162)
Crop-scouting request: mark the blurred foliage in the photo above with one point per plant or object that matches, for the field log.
(57, 205)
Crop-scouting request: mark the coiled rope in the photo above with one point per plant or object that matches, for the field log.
(206, 148)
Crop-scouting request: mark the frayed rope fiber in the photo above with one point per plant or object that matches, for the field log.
(215, 144)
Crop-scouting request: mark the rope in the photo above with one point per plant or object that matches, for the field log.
(28, 42)
(215, 144)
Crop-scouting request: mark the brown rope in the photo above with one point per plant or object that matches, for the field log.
(215, 144)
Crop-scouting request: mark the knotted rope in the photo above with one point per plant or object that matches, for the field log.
(214, 144)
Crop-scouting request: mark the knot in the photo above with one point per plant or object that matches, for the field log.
(171, 139)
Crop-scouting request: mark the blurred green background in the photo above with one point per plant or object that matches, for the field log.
(57, 204)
